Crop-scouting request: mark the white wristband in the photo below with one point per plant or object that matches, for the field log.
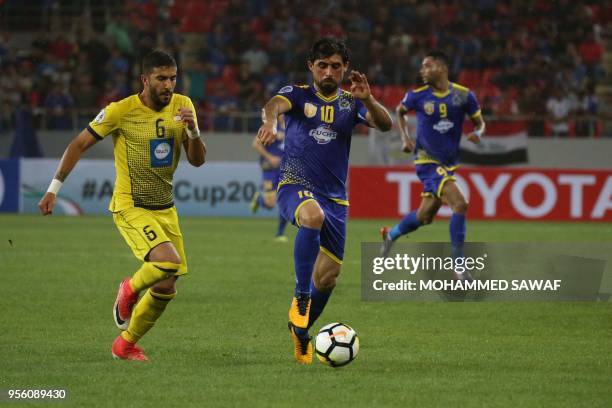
(193, 134)
(55, 186)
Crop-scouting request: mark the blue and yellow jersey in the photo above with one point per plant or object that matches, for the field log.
(440, 119)
(147, 148)
(318, 139)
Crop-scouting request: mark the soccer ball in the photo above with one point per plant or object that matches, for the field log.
(336, 344)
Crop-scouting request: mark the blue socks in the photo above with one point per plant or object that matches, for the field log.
(457, 230)
(317, 304)
(457, 234)
(281, 226)
(305, 251)
(408, 224)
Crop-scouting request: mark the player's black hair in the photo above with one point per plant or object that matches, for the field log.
(326, 47)
(439, 56)
(157, 58)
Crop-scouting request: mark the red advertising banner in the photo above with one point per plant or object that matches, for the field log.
(493, 193)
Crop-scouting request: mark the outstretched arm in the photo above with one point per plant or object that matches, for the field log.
(71, 156)
(407, 141)
(377, 115)
(269, 116)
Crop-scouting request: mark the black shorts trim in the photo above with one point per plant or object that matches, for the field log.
(156, 207)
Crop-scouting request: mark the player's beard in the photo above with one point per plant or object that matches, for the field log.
(157, 98)
(328, 86)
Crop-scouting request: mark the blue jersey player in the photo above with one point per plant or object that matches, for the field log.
(441, 107)
(269, 159)
(312, 193)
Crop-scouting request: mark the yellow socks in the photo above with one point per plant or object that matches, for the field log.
(145, 314)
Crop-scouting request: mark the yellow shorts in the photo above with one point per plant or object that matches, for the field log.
(144, 229)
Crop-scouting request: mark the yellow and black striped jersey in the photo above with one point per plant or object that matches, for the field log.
(147, 148)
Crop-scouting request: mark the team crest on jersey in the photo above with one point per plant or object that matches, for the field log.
(100, 116)
(429, 108)
(310, 110)
(285, 89)
(444, 126)
(458, 99)
(323, 134)
(344, 104)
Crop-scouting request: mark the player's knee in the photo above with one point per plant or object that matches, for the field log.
(313, 218)
(425, 217)
(171, 257)
(460, 207)
(165, 287)
(165, 252)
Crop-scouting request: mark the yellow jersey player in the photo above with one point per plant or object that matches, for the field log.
(148, 130)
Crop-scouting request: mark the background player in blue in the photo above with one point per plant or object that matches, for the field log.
(269, 159)
(319, 120)
(441, 107)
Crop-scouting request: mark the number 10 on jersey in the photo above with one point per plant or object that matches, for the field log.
(327, 114)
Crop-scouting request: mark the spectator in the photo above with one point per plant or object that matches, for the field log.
(58, 105)
(560, 109)
(117, 31)
(587, 110)
(249, 88)
(255, 58)
(590, 50)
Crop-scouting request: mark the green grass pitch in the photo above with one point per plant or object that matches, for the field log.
(224, 342)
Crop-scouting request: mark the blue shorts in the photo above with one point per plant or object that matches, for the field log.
(270, 180)
(433, 176)
(291, 197)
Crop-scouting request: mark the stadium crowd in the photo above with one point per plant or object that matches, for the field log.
(521, 57)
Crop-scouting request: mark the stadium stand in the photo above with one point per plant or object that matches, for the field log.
(532, 59)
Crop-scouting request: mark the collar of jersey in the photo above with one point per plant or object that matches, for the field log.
(326, 98)
(442, 94)
(153, 110)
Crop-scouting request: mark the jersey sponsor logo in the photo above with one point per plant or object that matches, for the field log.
(323, 134)
(100, 116)
(310, 110)
(285, 89)
(429, 108)
(444, 126)
(161, 152)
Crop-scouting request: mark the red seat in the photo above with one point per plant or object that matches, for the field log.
(470, 78)
(488, 75)
(393, 95)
